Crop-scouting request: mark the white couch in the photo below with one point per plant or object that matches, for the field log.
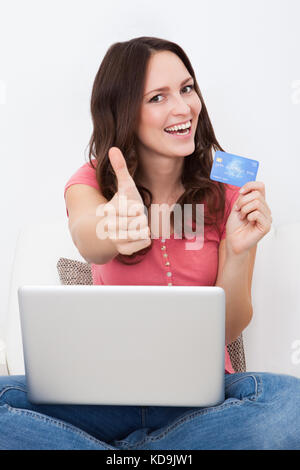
(271, 341)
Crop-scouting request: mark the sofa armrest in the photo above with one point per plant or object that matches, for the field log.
(3, 363)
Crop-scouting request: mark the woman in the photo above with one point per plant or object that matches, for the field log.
(136, 157)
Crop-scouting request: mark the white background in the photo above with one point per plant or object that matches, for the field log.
(246, 58)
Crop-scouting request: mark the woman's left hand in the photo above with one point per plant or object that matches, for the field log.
(251, 221)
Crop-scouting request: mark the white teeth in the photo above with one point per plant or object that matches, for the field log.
(182, 126)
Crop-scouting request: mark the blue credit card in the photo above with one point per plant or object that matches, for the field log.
(233, 169)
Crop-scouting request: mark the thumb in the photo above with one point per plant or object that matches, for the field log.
(126, 183)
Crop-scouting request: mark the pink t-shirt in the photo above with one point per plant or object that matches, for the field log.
(168, 262)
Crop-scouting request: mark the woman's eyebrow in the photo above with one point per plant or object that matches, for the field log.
(166, 87)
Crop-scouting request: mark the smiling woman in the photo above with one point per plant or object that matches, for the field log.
(134, 155)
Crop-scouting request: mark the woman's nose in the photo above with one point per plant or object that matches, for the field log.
(180, 106)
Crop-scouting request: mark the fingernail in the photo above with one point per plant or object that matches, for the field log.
(242, 190)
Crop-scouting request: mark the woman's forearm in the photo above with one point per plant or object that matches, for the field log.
(91, 248)
(234, 279)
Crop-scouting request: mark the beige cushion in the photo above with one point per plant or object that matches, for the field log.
(73, 272)
(237, 354)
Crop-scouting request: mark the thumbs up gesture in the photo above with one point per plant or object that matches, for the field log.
(126, 221)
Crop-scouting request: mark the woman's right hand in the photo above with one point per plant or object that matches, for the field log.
(126, 221)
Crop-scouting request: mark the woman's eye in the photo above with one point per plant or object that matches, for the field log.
(152, 99)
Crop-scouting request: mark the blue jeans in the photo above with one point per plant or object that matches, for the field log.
(261, 411)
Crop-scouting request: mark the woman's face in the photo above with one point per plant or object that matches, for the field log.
(162, 109)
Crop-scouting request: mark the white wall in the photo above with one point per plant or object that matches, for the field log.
(246, 58)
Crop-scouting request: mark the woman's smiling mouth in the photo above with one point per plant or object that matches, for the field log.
(184, 133)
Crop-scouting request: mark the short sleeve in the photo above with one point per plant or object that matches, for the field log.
(232, 194)
(86, 174)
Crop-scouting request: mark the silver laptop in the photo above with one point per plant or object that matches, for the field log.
(124, 345)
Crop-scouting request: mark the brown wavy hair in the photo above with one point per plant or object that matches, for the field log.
(115, 106)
